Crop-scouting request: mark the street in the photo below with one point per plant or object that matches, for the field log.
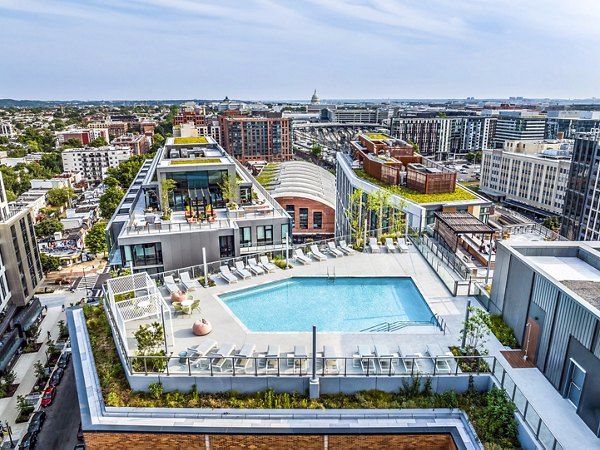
(62, 417)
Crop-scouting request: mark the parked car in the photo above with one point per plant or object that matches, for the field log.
(28, 441)
(36, 422)
(56, 376)
(63, 361)
(48, 396)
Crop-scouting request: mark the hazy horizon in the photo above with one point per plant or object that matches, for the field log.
(263, 49)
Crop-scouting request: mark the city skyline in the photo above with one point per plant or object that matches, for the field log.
(60, 50)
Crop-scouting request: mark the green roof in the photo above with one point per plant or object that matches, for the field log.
(191, 140)
(176, 162)
(377, 136)
(415, 196)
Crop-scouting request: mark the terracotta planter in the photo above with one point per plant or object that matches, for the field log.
(178, 296)
(201, 327)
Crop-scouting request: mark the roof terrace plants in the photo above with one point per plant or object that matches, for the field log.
(190, 140)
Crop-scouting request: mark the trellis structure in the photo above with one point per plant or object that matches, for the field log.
(136, 297)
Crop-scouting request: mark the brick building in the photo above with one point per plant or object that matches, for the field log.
(265, 137)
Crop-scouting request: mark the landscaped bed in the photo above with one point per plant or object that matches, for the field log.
(491, 413)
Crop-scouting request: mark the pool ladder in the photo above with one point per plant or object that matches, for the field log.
(331, 276)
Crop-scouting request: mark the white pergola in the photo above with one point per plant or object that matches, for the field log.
(145, 301)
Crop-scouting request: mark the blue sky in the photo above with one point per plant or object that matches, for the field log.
(265, 49)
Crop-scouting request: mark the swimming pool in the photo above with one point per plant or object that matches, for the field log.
(346, 304)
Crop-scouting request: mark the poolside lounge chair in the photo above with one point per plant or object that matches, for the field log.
(255, 268)
(330, 359)
(222, 356)
(188, 282)
(316, 253)
(374, 245)
(267, 265)
(201, 350)
(227, 275)
(332, 250)
(243, 359)
(366, 358)
(440, 357)
(300, 256)
(272, 358)
(241, 270)
(407, 352)
(389, 244)
(298, 358)
(385, 358)
(346, 249)
(170, 284)
(402, 245)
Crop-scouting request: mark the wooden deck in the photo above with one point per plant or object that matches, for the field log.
(515, 359)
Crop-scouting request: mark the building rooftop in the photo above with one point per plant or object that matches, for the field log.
(303, 179)
(190, 140)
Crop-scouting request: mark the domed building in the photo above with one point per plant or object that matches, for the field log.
(315, 100)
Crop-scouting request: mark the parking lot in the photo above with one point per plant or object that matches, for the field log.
(62, 417)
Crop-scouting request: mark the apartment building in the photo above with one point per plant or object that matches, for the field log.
(351, 115)
(261, 137)
(431, 134)
(6, 130)
(568, 123)
(581, 213)
(93, 163)
(138, 143)
(20, 275)
(201, 221)
(191, 113)
(84, 135)
(470, 134)
(530, 175)
(115, 128)
(519, 125)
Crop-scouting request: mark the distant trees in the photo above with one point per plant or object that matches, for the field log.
(71, 143)
(316, 150)
(127, 170)
(552, 223)
(95, 239)
(473, 157)
(48, 227)
(98, 142)
(49, 263)
(60, 196)
(109, 201)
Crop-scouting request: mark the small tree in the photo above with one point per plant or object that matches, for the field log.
(9, 378)
(49, 263)
(95, 239)
(63, 330)
(477, 329)
(228, 187)
(149, 338)
(354, 215)
(109, 201)
(39, 370)
(48, 227)
(59, 196)
(166, 187)
(316, 150)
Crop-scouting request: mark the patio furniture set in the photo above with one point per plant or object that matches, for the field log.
(254, 267)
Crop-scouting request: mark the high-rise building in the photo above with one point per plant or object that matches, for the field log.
(264, 137)
(520, 126)
(529, 175)
(20, 275)
(568, 123)
(93, 163)
(581, 213)
(6, 129)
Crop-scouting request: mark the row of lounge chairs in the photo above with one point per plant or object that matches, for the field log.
(209, 355)
(341, 250)
(247, 271)
(188, 282)
(391, 247)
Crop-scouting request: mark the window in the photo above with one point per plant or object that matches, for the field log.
(285, 231)
(226, 247)
(304, 218)
(317, 220)
(245, 237)
(147, 254)
(264, 234)
(290, 209)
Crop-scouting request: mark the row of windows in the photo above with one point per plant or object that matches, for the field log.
(303, 217)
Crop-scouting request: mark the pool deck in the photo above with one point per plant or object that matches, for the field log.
(228, 329)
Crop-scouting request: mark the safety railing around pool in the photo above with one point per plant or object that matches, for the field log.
(291, 365)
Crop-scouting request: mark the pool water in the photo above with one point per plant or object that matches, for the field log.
(346, 304)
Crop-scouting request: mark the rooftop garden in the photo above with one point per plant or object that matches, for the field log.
(190, 140)
(415, 196)
(176, 162)
(377, 136)
(491, 413)
(268, 174)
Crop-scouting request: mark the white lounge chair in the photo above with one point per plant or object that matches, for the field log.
(330, 359)
(389, 244)
(267, 265)
(299, 358)
(222, 356)
(407, 352)
(188, 282)
(374, 246)
(170, 284)
(254, 267)
(272, 356)
(441, 358)
(385, 358)
(366, 358)
(227, 275)
(301, 257)
(332, 250)
(316, 253)
(201, 350)
(346, 249)
(244, 358)
(402, 245)
(241, 270)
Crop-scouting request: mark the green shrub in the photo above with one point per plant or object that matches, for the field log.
(497, 421)
(503, 332)
(280, 262)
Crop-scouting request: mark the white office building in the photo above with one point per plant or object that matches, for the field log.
(93, 163)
